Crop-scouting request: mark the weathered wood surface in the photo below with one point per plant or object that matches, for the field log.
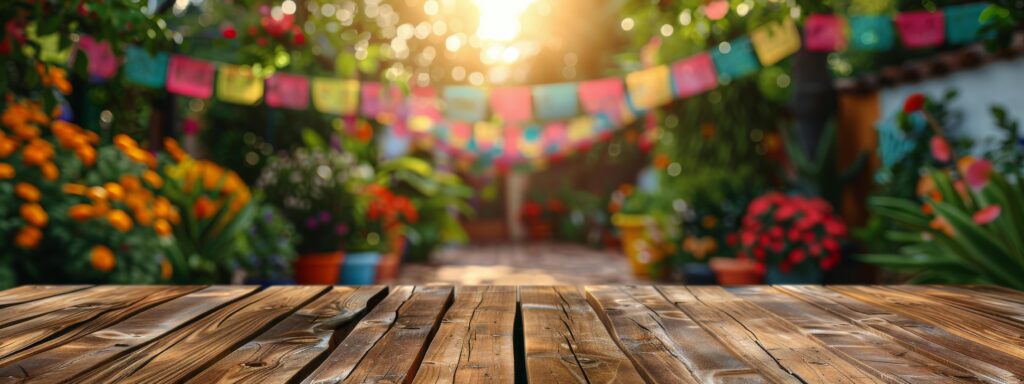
(504, 334)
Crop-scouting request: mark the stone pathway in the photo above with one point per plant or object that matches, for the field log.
(521, 264)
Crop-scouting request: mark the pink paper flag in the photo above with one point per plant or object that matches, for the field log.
(423, 110)
(603, 97)
(287, 91)
(102, 62)
(554, 137)
(190, 77)
(824, 33)
(694, 75)
(511, 141)
(513, 105)
(921, 29)
(379, 101)
(460, 134)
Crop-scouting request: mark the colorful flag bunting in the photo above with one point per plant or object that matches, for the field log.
(580, 130)
(734, 59)
(556, 101)
(287, 91)
(921, 29)
(554, 137)
(510, 142)
(379, 101)
(190, 77)
(336, 96)
(486, 134)
(102, 62)
(694, 75)
(512, 105)
(775, 41)
(423, 109)
(531, 144)
(824, 33)
(465, 103)
(460, 134)
(650, 88)
(603, 97)
(871, 33)
(144, 69)
(237, 84)
(963, 22)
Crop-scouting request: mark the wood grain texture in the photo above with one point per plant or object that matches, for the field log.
(987, 363)
(998, 307)
(69, 360)
(94, 296)
(279, 354)
(182, 353)
(657, 336)
(777, 347)
(873, 353)
(474, 342)
(84, 315)
(565, 341)
(26, 293)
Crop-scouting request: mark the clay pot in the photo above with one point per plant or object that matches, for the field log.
(729, 271)
(318, 268)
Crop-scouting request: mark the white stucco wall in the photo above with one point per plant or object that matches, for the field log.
(1000, 82)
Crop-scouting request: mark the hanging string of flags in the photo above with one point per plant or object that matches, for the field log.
(523, 123)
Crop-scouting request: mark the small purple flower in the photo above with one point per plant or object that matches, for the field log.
(324, 216)
(311, 223)
(341, 229)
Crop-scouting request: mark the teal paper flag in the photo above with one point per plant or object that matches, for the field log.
(144, 69)
(963, 22)
(468, 104)
(871, 33)
(734, 59)
(555, 101)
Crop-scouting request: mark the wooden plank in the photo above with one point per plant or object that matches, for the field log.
(83, 298)
(775, 346)
(184, 352)
(658, 338)
(966, 324)
(988, 363)
(998, 307)
(565, 341)
(26, 293)
(387, 345)
(873, 353)
(474, 342)
(103, 308)
(282, 352)
(68, 360)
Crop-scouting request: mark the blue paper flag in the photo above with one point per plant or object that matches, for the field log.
(555, 101)
(963, 22)
(871, 33)
(144, 69)
(734, 59)
(464, 103)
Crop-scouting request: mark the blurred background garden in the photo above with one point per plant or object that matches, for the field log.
(511, 141)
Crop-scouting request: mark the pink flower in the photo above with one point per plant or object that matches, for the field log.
(977, 173)
(940, 149)
(796, 256)
(987, 214)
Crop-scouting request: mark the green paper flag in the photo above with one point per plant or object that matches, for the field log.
(963, 22)
(871, 33)
(734, 59)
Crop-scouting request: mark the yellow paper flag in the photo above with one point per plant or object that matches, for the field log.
(486, 133)
(580, 129)
(237, 84)
(775, 41)
(649, 88)
(336, 96)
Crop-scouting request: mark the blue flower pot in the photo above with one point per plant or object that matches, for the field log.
(775, 276)
(360, 268)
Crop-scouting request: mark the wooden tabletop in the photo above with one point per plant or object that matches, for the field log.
(537, 334)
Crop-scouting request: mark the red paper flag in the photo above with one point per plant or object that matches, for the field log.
(287, 91)
(190, 77)
(102, 62)
(513, 105)
(921, 29)
(603, 97)
(694, 75)
(824, 33)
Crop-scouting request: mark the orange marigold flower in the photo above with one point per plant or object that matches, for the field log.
(59, 79)
(153, 179)
(34, 214)
(125, 142)
(96, 194)
(25, 131)
(6, 171)
(81, 212)
(162, 227)
(204, 207)
(119, 220)
(144, 217)
(92, 136)
(173, 149)
(100, 208)
(175, 217)
(50, 171)
(27, 192)
(166, 271)
(87, 155)
(7, 146)
(162, 207)
(102, 258)
(115, 191)
(130, 182)
(28, 237)
(37, 152)
(75, 189)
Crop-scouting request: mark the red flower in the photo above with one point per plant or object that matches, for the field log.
(299, 38)
(913, 103)
(748, 238)
(977, 173)
(830, 261)
(987, 214)
(229, 32)
(796, 256)
(835, 227)
(940, 149)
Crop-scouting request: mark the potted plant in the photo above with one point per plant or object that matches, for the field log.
(794, 239)
(643, 227)
(316, 189)
(269, 248)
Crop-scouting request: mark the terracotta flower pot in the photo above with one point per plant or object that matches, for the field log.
(729, 271)
(318, 268)
(388, 268)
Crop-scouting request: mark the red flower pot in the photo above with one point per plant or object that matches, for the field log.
(318, 268)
